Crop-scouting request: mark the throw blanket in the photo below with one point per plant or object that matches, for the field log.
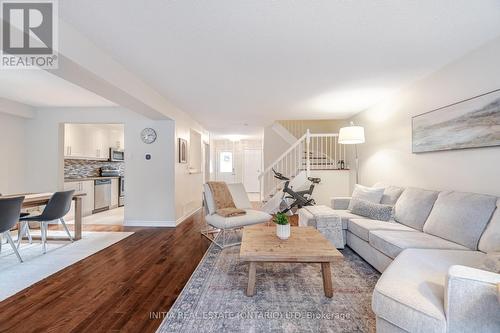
(224, 204)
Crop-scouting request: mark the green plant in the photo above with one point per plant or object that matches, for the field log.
(281, 218)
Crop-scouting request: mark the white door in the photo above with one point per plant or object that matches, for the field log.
(225, 166)
(252, 163)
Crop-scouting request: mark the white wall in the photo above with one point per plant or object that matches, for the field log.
(386, 155)
(334, 183)
(188, 186)
(150, 193)
(12, 153)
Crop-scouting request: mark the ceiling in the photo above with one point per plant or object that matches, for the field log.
(41, 89)
(230, 63)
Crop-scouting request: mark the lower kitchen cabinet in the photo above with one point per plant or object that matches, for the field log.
(86, 187)
(115, 192)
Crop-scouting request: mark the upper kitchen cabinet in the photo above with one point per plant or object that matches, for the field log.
(92, 141)
(117, 137)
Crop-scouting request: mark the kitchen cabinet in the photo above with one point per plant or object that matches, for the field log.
(116, 139)
(75, 140)
(87, 187)
(115, 192)
(91, 141)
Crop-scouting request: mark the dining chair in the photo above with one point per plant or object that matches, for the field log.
(19, 232)
(10, 208)
(54, 212)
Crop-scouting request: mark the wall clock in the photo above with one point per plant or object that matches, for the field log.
(148, 135)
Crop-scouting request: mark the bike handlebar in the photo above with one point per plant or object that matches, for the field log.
(279, 175)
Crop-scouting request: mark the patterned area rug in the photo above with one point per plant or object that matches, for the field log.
(289, 297)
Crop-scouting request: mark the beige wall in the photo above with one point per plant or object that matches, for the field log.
(386, 155)
(275, 145)
(299, 127)
(12, 153)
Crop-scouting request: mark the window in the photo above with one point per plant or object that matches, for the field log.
(225, 161)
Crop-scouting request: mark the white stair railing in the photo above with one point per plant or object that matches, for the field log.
(309, 152)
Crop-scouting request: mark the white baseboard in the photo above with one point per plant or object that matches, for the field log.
(169, 224)
(185, 217)
(139, 223)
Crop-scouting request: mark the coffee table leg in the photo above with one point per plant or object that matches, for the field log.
(251, 279)
(327, 279)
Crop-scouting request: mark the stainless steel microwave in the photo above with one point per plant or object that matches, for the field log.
(116, 155)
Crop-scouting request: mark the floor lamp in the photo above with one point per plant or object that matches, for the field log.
(352, 135)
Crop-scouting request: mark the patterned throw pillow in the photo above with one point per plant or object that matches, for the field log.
(372, 210)
(371, 194)
(492, 262)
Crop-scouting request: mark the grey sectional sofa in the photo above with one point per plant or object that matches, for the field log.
(431, 255)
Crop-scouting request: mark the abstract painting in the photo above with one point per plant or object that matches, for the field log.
(471, 123)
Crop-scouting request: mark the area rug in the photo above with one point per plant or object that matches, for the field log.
(289, 297)
(16, 276)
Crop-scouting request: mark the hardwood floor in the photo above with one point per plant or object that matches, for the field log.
(115, 289)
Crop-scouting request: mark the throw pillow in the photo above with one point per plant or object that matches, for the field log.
(372, 210)
(371, 194)
(491, 262)
(391, 195)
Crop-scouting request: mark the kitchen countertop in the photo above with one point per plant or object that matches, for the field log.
(83, 179)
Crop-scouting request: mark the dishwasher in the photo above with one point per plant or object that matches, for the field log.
(102, 195)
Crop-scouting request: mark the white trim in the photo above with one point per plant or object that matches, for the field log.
(185, 217)
(140, 223)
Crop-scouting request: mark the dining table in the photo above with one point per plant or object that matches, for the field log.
(40, 199)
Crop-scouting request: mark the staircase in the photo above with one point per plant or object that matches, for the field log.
(309, 152)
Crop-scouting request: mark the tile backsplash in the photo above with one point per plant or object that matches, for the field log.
(88, 168)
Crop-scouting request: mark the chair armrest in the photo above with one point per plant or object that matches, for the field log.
(498, 292)
(471, 300)
(340, 202)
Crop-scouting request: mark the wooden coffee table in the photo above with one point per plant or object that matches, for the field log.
(306, 244)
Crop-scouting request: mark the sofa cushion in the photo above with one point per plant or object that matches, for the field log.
(410, 293)
(491, 263)
(460, 217)
(362, 227)
(371, 194)
(413, 207)
(490, 240)
(372, 210)
(345, 215)
(251, 217)
(392, 243)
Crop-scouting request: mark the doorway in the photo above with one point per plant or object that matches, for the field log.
(252, 166)
(225, 166)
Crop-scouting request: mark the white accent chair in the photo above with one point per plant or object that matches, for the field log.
(216, 224)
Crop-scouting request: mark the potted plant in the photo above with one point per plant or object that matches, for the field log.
(282, 226)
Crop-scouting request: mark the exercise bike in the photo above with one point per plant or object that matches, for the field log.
(300, 198)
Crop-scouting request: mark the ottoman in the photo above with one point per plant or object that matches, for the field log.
(326, 221)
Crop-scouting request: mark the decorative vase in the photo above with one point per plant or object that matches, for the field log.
(283, 231)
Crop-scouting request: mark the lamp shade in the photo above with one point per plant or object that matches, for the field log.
(351, 135)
